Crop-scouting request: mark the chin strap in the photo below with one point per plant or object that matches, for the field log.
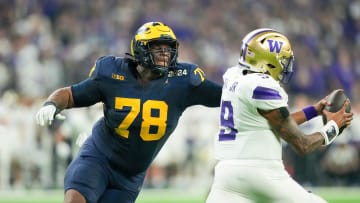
(128, 55)
(159, 71)
(330, 131)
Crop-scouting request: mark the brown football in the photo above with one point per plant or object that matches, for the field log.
(337, 99)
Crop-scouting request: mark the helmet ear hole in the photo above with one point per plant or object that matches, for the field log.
(242, 53)
(271, 66)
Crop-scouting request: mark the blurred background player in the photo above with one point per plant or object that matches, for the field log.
(143, 97)
(254, 119)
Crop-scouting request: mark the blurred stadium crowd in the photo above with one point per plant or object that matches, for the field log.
(46, 44)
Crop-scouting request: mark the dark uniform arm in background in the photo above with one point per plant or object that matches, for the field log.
(203, 91)
(208, 94)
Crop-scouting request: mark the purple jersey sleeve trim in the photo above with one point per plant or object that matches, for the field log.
(266, 93)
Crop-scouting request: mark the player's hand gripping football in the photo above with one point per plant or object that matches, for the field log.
(342, 117)
(336, 122)
(320, 105)
(47, 114)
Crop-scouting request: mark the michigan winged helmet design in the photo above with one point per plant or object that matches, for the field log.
(153, 32)
(268, 51)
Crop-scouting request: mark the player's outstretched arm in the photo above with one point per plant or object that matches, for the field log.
(285, 126)
(208, 94)
(60, 99)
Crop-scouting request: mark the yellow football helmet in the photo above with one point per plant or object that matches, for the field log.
(153, 32)
(268, 51)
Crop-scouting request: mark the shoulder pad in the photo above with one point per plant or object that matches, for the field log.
(269, 95)
(196, 74)
(266, 93)
(105, 66)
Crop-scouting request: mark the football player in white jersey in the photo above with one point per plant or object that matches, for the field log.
(254, 119)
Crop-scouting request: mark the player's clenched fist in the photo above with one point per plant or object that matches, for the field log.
(46, 115)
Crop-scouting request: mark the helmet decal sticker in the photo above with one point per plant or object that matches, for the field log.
(275, 45)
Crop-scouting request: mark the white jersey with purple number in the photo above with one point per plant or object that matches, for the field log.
(244, 133)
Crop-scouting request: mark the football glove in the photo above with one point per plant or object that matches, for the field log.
(47, 114)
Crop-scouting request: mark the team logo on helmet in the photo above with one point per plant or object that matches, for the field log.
(275, 46)
(268, 51)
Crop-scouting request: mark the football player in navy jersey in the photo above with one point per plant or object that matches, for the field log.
(143, 97)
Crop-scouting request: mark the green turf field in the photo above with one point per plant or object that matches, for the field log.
(332, 195)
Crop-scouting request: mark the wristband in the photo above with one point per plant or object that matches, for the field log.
(49, 103)
(310, 112)
(330, 131)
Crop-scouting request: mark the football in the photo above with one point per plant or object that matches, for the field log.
(337, 99)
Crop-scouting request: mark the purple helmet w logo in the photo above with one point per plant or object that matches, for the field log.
(275, 46)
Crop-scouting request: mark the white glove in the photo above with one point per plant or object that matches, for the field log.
(46, 115)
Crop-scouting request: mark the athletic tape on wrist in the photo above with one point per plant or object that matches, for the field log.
(310, 112)
(54, 104)
(50, 103)
(330, 131)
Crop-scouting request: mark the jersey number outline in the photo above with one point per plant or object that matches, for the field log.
(148, 120)
(228, 131)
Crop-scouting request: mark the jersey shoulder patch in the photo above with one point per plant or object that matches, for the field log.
(196, 74)
(192, 73)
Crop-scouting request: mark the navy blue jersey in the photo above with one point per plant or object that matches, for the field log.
(139, 118)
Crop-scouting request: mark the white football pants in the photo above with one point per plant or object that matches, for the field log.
(257, 181)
